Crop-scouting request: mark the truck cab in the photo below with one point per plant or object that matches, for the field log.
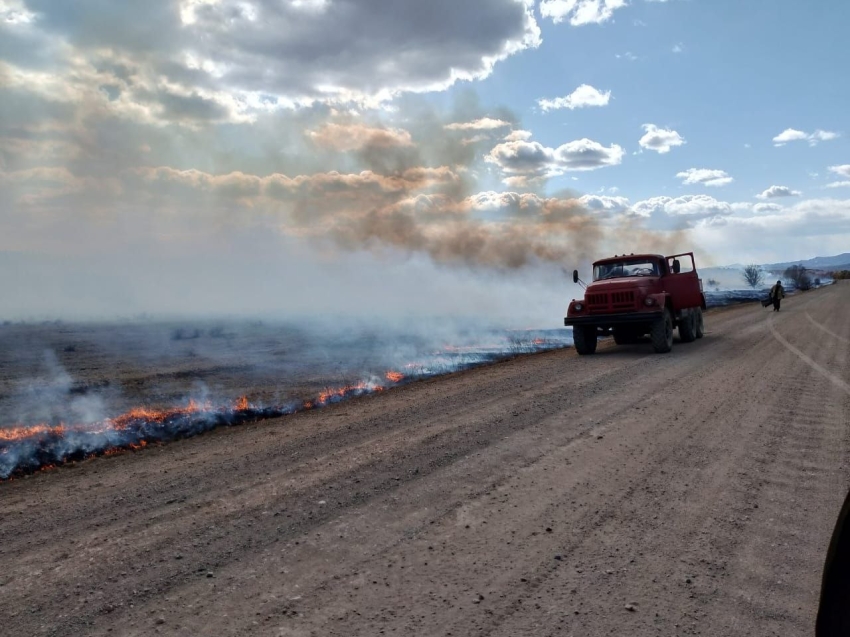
(635, 295)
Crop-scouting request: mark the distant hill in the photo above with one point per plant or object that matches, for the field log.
(838, 262)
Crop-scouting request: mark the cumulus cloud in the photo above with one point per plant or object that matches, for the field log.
(532, 160)
(778, 191)
(789, 135)
(766, 207)
(793, 135)
(517, 135)
(585, 95)
(816, 226)
(661, 140)
(603, 203)
(704, 176)
(838, 184)
(688, 208)
(580, 12)
(198, 56)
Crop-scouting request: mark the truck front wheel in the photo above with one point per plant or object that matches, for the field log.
(662, 333)
(585, 339)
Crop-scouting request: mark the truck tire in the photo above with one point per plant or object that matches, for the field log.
(662, 333)
(625, 336)
(585, 339)
(700, 323)
(688, 327)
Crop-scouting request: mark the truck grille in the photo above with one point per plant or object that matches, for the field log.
(619, 299)
(604, 302)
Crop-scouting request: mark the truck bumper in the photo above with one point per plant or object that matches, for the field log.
(610, 320)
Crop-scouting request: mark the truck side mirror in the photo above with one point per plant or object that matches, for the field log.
(677, 267)
(575, 276)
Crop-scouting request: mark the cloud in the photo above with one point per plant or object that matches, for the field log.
(823, 136)
(586, 154)
(813, 226)
(842, 170)
(778, 191)
(580, 12)
(14, 12)
(602, 203)
(585, 95)
(190, 54)
(677, 48)
(705, 176)
(767, 207)
(660, 140)
(532, 160)
(789, 135)
(517, 135)
(689, 208)
(793, 135)
(484, 123)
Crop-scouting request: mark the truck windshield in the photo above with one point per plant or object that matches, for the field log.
(628, 267)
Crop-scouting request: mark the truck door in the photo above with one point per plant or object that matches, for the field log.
(682, 282)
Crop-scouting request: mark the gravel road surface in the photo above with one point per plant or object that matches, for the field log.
(625, 493)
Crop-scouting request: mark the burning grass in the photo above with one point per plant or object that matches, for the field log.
(63, 436)
(24, 449)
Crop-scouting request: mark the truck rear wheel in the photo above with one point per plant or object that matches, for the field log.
(662, 333)
(688, 327)
(585, 339)
(700, 323)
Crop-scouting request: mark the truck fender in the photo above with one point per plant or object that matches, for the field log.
(662, 299)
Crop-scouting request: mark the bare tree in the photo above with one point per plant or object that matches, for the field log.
(797, 274)
(753, 275)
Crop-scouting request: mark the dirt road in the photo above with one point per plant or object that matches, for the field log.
(625, 493)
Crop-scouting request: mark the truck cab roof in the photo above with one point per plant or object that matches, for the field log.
(621, 257)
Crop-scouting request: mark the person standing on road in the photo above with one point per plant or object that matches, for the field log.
(777, 293)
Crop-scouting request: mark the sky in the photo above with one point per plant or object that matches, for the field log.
(251, 156)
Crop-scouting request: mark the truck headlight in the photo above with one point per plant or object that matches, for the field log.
(578, 307)
(649, 301)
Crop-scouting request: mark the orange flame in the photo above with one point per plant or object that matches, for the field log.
(154, 415)
(19, 433)
(241, 403)
(394, 377)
